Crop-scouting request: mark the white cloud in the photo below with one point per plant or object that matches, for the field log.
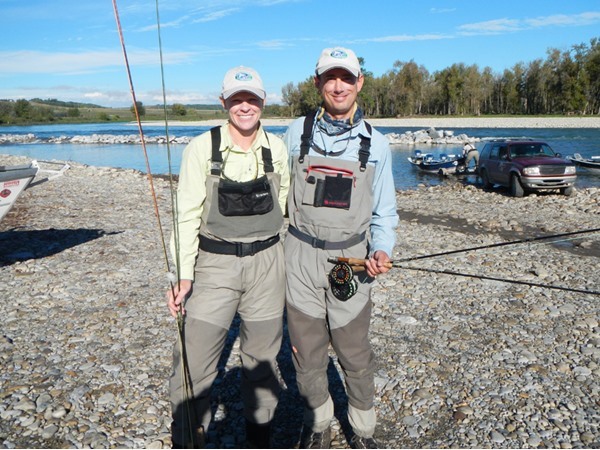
(441, 10)
(491, 27)
(216, 15)
(64, 63)
(274, 44)
(583, 19)
(506, 25)
(404, 38)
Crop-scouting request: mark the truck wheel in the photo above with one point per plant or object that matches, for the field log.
(516, 189)
(568, 191)
(485, 180)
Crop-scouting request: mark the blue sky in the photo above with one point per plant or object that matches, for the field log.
(70, 50)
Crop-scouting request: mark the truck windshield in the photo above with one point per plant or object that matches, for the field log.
(531, 150)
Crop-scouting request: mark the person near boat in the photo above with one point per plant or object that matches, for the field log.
(232, 191)
(341, 203)
(470, 153)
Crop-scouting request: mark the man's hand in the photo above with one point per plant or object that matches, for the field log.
(176, 296)
(378, 263)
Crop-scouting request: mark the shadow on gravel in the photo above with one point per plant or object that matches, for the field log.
(20, 245)
(454, 224)
(287, 422)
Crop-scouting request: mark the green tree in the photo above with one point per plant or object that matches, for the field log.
(73, 112)
(141, 109)
(291, 96)
(310, 99)
(6, 111)
(591, 66)
(178, 109)
(22, 109)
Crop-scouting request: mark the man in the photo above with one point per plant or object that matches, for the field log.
(341, 203)
(233, 185)
(471, 154)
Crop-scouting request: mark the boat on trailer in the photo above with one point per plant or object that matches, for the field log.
(441, 165)
(16, 178)
(592, 163)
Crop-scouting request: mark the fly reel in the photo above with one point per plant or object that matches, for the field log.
(342, 282)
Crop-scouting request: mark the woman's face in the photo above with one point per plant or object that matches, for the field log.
(245, 110)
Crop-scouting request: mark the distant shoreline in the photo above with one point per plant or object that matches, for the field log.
(438, 122)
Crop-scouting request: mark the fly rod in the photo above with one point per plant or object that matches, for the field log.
(481, 247)
(353, 265)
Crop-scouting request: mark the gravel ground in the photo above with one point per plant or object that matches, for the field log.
(465, 362)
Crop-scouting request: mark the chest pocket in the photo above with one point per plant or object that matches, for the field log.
(245, 198)
(329, 187)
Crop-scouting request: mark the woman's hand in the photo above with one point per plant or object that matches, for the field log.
(177, 295)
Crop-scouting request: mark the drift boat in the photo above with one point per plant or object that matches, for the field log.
(592, 164)
(441, 165)
(15, 179)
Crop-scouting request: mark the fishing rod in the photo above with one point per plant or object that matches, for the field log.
(196, 437)
(344, 286)
(345, 268)
(499, 244)
(394, 263)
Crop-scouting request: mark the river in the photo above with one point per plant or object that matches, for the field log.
(565, 141)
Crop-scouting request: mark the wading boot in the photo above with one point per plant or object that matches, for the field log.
(197, 439)
(363, 442)
(312, 439)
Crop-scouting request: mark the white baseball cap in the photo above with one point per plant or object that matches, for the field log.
(338, 57)
(241, 79)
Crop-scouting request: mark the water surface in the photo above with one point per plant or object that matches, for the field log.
(566, 141)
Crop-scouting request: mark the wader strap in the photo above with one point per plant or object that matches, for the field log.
(365, 148)
(327, 245)
(306, 137)
(239, 249)
(217, 159)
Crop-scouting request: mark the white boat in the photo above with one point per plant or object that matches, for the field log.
(592, 163)
(441, 165)
(15, 179)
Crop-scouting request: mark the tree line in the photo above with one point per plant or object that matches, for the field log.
(565, 83)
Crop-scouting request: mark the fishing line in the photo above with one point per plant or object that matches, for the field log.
(141, 132)
(195, 436)
(188, 394)
(168, 142)
(504, 280)
(356, 264)
(499, 244)
(186, 377)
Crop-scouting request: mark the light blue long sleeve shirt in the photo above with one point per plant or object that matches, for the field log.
(384, 218)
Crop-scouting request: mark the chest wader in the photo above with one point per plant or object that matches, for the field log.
(240, 218)
(330, 208)
(239, 270)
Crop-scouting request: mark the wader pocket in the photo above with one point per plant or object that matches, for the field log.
(245, 199)
(334, 192)
(328, 187)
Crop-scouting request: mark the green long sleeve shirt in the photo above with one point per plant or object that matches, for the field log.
(238, 165)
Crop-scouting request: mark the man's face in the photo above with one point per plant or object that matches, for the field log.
(339, 90)
(244, 110)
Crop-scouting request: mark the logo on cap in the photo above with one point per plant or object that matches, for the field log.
(243, 76)
(338, 54)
